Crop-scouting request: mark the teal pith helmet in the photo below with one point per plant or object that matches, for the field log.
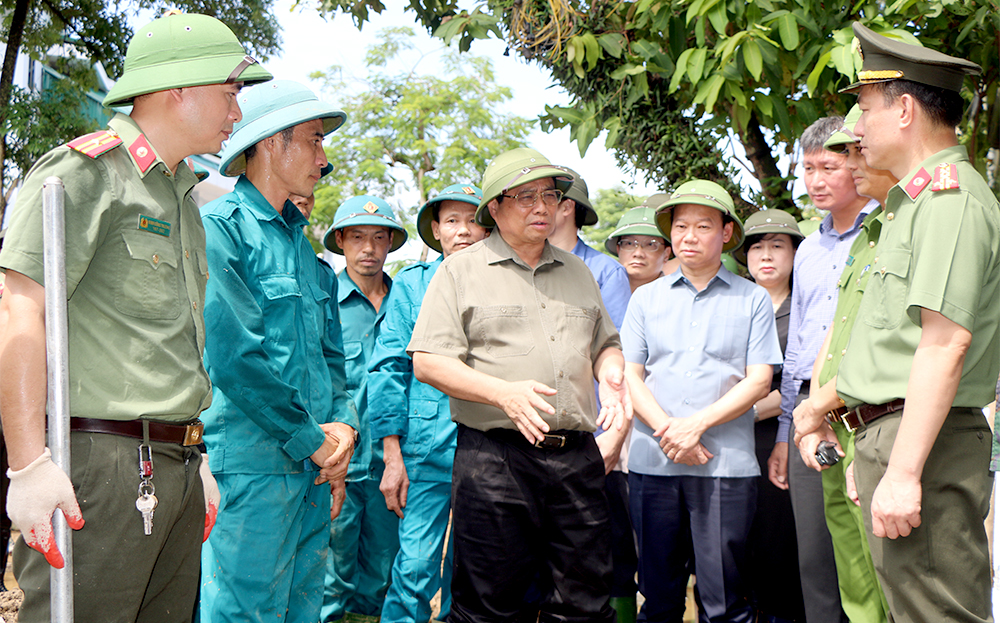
(767, 222)
(269, 109)
(466, 193)
(578, 193)
(364, 210)
(845, 135)
(705, 193)
(639, 221)
(512, 169)
(183, 50)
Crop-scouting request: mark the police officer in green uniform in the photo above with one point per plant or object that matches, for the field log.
(136, 275)
(818, 417)
(923, 356)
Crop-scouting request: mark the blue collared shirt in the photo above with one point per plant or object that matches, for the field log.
(611, 278)
(360, 325)
(819, 262)
(272, 344)
(696, 346)
(398, 402)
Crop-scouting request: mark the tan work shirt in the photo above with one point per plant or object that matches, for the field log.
(488, 308)
(135, 273)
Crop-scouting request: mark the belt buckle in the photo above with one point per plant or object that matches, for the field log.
(551, 442)
(193, 433)
(847, 424)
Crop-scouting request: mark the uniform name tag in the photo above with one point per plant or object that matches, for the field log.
(154, 226)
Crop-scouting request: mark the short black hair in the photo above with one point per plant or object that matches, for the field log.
(286, 139)
(944, 106)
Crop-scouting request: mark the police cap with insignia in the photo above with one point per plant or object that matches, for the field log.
(466, 193)
(183, 50)
(885, 59)
(364, 210)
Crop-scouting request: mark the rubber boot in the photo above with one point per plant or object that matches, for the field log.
(625, 608)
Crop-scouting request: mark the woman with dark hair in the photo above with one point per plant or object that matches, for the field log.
(768, 251)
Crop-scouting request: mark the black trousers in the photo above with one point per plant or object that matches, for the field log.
(523, 514)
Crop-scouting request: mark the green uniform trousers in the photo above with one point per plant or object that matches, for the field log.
(941, 571)
(861, 595)
(120, 574)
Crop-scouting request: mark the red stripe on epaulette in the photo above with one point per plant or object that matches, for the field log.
(95, 143)
(918, 183)
(945, 177)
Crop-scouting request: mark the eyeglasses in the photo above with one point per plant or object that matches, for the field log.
(650, 246)
(528, 198)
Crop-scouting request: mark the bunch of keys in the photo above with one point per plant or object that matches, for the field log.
(146, 503)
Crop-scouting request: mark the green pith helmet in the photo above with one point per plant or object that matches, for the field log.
(730, 264)
(808, 225)
(845, 135)
(578, 193)
(364, 210)
(466, 193)
(269, 109)
(704, 193)
(514, 168)
(183, 50)
(639, 221)
(884, 59)
(767, 222)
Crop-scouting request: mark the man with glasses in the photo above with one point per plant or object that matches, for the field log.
(513, 329)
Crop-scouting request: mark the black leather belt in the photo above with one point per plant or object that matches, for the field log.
(864, 414)
(189, 434)
(551, 441)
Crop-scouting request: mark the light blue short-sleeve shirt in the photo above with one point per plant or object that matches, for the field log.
(696, 346)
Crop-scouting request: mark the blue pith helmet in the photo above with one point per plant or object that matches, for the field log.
(466, 193)
(364, 210)
(270, 108)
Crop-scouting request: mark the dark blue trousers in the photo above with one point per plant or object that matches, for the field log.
(688, 524)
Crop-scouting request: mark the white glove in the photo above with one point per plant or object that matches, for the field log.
(35, 493)
(212, 495)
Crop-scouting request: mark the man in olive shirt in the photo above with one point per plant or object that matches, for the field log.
(136, 275)
(513, 329)
(924, 356)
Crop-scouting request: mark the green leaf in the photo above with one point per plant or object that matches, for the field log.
(593, 49)
(742, 117)
(713, 92)
(752, 58)
(645, 48)
(613, 43)
(628, 69)
(813, 78)
(717, 16)
(696, 64)
(764, 105)
(788, 30)
(843, 59)
(682, 66)
(729, 47)
(694, 9)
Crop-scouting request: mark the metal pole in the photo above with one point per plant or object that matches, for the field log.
(57, 351)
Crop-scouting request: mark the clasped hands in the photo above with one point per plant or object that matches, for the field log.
(680, 440)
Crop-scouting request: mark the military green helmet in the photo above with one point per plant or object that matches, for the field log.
(705, 193)
(638, 221)
(845, 135)
(514, 168)
(767, 222)
(183, 50)
(456, 192)
(364, 210)
(578, 193)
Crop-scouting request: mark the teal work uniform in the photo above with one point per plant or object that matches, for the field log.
(861, 595)
(275, 356)
(939, 250)
(364, 538)
(421, 416)
(135, 278)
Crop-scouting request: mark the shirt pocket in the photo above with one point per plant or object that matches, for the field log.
(280, 305)
(503, 330)
(422, 427)
(580, 324)
(727, 337)
(319, 313)
(149, 285)
(887, 288)
(354, 365)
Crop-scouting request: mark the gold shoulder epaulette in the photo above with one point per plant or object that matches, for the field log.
(95, 143)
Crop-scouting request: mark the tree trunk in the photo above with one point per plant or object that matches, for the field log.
(765, 168)
(14, 38)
